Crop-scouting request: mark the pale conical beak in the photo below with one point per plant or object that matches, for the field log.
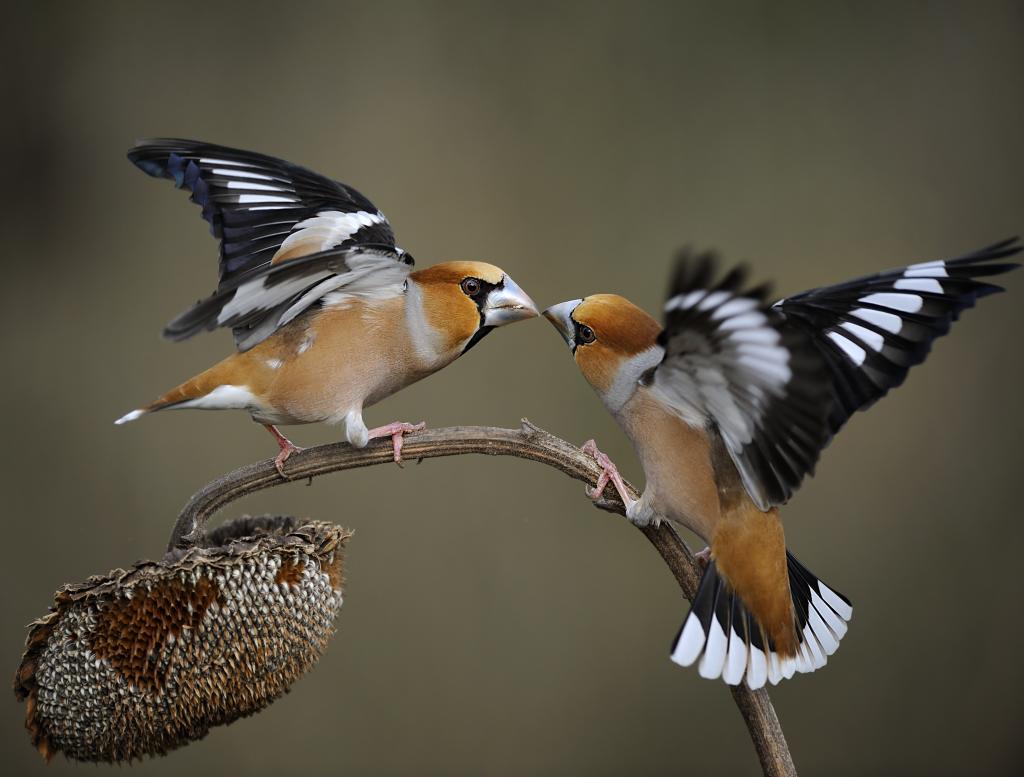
(560, 316)
(507, 303)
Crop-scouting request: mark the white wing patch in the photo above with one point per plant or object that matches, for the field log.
(326, 230)
(275, 219)
(853, 352)
(368, 274)
(916, 278)
(729, 373)
(256, 199)
(237, 174)
(263, 293)
(372, 276)
(874, 340)
(907, 303)
(890, 322)
(733, 365)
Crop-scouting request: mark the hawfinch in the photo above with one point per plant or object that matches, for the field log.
(327, 313)
(728, 407)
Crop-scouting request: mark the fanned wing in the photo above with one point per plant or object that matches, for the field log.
(872, 330)
(730, 362)
(263, 209)
(268, 213)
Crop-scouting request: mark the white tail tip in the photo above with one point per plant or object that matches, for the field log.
(129, 417)
(729, 642)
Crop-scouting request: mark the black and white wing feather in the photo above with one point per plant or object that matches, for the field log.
(872, 330)
(267, 212)
(730, 363)
(257, 304)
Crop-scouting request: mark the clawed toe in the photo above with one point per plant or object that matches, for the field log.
(287, 449)
(703, 558)
(282, 457)
(609, 474)
(397, 431)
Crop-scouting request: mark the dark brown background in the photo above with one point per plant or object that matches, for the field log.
(495, 623)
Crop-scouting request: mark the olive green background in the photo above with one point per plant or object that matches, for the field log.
(494, 622)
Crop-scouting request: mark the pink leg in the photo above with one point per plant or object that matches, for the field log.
(396, 431)
(287, 449)
(609, 472)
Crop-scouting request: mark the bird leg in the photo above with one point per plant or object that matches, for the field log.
(396, 431)
(287, 449)
(609, 473)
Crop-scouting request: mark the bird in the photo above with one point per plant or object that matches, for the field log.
(328, 314)
(728, 406)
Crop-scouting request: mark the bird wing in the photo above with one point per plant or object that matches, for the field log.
(257, 304)
(268, 213)
(730, 363)
(872, 330)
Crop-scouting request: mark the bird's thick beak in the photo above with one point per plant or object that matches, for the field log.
(507, 303)
(560, 316)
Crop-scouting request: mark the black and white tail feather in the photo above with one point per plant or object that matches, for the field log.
(268, 214)
(726, 641)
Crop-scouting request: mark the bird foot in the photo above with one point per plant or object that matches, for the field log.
(703, 558)
(396, 431)
(609, 473)
(287, 449)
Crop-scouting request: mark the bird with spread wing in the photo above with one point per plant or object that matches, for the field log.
(728, 407)
(328, 315)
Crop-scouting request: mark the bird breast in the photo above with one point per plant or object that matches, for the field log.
(677, 461)
(337, 359)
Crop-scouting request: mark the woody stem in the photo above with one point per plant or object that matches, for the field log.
(527, 442)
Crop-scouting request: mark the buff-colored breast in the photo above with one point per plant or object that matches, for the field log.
(346, 358)
(677, 463)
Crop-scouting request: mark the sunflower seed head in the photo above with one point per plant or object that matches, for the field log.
(144, 660)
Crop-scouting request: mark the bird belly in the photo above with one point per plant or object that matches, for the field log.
(327, 399)
(677, 464)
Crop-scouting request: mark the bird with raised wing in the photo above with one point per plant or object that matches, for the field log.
(328, 315)
(728, 406)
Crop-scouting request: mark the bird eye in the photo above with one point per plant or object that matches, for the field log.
(584, 334)
(471, 287)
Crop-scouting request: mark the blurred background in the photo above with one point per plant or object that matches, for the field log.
(577, 145)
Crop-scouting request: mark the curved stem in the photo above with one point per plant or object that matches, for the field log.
(528, 442)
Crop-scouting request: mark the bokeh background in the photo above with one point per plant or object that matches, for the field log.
(577, 145)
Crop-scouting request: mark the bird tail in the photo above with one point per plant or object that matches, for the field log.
(731, 644)
(205, 390)
(170, 399)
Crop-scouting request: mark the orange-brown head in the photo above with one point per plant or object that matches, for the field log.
(613, 341)
(453, 305)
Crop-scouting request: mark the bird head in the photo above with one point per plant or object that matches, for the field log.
(461, 302)
(612, 340)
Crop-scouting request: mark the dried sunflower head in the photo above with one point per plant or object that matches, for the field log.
(144, 660)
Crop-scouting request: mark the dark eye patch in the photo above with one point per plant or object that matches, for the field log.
(478, 291)
(474, 288)
(584, 334)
